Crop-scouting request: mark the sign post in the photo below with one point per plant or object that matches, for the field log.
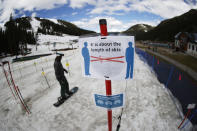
(109, 58)
(189, 107)
(103, 28)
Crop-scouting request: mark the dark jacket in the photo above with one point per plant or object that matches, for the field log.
(59, 70)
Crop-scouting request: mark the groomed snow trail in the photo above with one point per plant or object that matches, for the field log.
(148, 107)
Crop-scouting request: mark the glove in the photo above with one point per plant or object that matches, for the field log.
(66, 71)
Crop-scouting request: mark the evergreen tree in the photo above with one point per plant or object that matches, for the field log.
(16, 36)
(1, 40)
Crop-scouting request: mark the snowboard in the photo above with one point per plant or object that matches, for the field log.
(73, 91)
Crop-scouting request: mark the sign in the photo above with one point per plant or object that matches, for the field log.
(191, 106)
(67, 64)
(109, 102)
(109, 57)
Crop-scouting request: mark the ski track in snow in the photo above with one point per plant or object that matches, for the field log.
(148, 107)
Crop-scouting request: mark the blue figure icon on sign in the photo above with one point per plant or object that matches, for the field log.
(86, 56)
(129, 59)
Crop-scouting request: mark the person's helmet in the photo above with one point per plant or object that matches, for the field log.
(59, 54)
(58, 57)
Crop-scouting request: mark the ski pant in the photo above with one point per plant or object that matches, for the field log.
(64, 86)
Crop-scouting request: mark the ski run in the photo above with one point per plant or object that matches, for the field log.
(148, 106)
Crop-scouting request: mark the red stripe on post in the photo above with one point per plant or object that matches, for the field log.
(103, 27)
(108, 87)
(109, 112)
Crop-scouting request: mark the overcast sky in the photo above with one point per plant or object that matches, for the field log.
(120, 14)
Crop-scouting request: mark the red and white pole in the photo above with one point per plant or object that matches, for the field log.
(103, 28)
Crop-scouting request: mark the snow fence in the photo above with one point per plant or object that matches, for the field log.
(181, 86)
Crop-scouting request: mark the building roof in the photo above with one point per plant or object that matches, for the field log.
(192, 37)
(178, 34)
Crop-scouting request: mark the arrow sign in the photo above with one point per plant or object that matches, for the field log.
(109, 102)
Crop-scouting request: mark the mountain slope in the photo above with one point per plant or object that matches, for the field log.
(167, 29)
(50, 26)
(138, 29)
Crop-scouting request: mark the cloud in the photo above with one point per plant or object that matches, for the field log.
(81, 3)
(163, 8)
(33, 14)
(110, 7)
(9, 6)
(23, 15)
(74, 13)
(113, 24)
(93, 23)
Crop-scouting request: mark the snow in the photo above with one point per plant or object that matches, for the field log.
(54, 21)
(143, 26)
(2, 26)
(51, 38)
(148, 107)
(46, 43)
(35, 24)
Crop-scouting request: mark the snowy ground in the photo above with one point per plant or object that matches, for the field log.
(46, 43)
(58, 39)
(148, 107)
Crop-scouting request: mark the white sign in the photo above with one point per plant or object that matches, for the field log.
(109, 57)
(191, 106)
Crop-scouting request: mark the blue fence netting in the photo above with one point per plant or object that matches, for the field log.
(179, 83)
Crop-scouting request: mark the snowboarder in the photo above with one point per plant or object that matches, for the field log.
(59, 73)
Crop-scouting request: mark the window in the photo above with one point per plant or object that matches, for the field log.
(196, 48)
(192, 47)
